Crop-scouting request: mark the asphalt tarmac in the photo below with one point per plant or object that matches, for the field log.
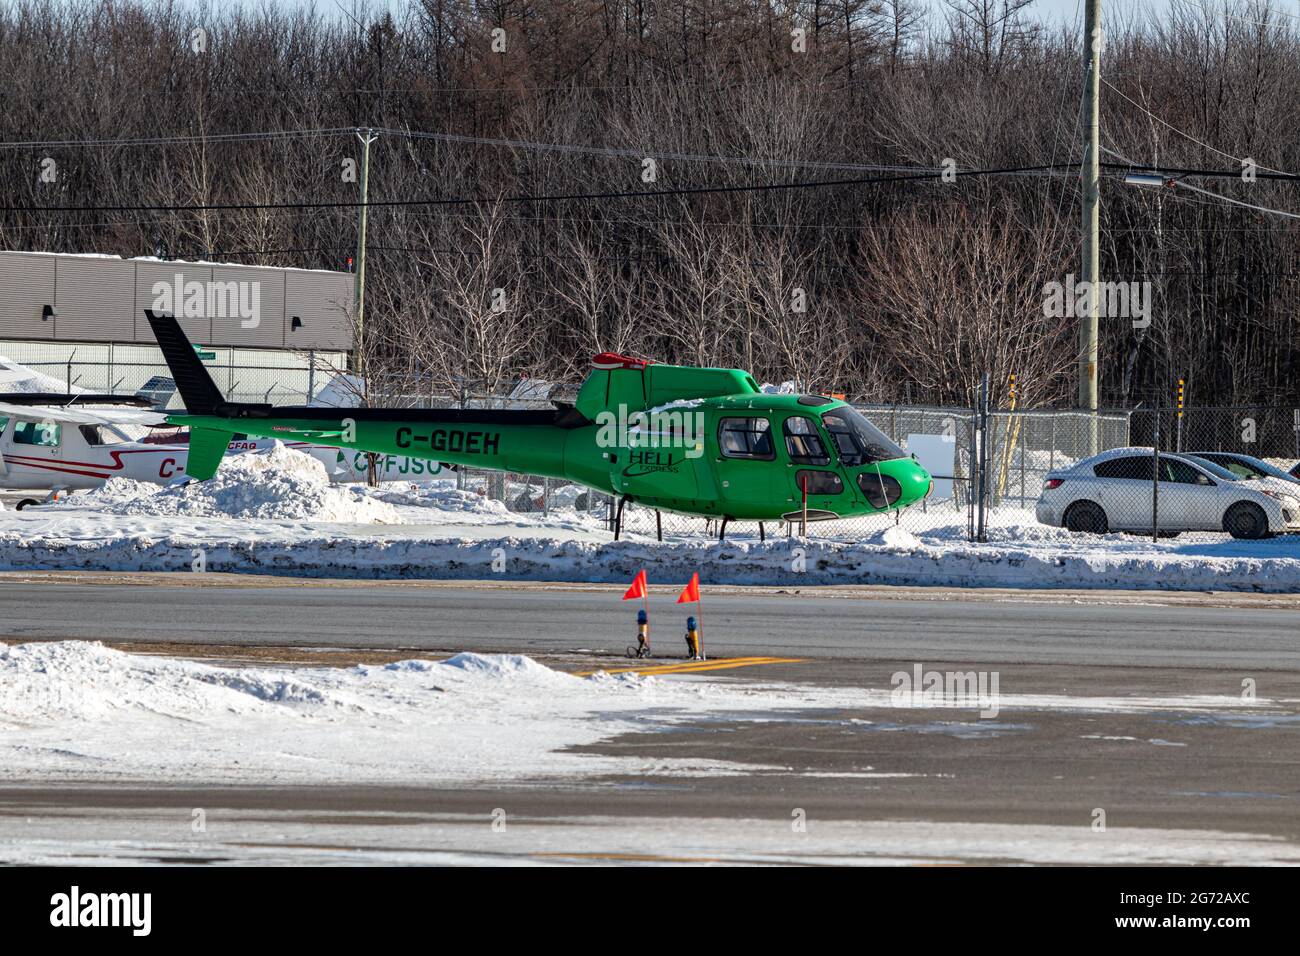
(871, 784)
(835, 623)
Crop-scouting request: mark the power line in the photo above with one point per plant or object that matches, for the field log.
(420, 250)
(180, 140)
(1174, 179)
(1171, 172)
(1236, 202)
(462, 201)
(1180, 132)
(463, 139)
(1236, 16)
(629, 153)
(1046, 169)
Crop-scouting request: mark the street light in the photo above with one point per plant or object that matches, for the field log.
(1144, 179)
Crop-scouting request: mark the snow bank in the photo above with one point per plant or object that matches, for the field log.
(277, 483)
(276, 514)
(444, 498)
(74, 710)
(481, 547)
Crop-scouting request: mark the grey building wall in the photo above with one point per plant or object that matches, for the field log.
(103, 298)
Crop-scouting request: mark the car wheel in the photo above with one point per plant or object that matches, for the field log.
(1246, 520)
(1086, 517)
(24, 503)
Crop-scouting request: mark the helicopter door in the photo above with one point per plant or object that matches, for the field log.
(812, 466)
(746, 464)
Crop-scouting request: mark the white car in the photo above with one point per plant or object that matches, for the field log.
(1113, 492)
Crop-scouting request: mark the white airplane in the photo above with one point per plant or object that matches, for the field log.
(67, 442)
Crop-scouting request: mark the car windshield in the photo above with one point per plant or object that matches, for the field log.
(1216, 470)
(859, 442)
(1256, 465)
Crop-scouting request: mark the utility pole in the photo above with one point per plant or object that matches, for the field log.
(359, 345)
(1088, 329)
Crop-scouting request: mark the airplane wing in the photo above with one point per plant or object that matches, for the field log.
(75, 398)
(82, 415)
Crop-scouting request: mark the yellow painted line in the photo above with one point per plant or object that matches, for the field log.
(630, 857)
(693, 667)
(678, 666)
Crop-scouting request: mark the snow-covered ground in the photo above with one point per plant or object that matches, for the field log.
(113, 837)
(277, 514)
(78, 711)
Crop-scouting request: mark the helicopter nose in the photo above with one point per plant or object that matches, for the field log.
(920, 485)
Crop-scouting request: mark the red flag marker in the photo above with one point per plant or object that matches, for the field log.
(638, 588)
(641, 589)
(691, 593)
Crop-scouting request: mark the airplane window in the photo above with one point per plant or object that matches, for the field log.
(47, 434)
(100, 435)
(859, 441)
(746, 438)
(803, 444)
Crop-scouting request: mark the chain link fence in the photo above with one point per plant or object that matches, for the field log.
(1260, 431)
(991, 467)
(1200, 472)
(243, 375)
(994, 466)
(1022, 448)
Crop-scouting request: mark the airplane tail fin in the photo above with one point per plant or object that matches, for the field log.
(207, 448)
(199, 393)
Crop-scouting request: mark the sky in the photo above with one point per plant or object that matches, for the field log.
(1049, 11)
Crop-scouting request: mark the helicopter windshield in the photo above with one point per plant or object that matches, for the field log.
(859, 442)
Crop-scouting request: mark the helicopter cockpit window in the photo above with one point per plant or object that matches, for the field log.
(746, 438)
(859, 442)
(803, 444)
